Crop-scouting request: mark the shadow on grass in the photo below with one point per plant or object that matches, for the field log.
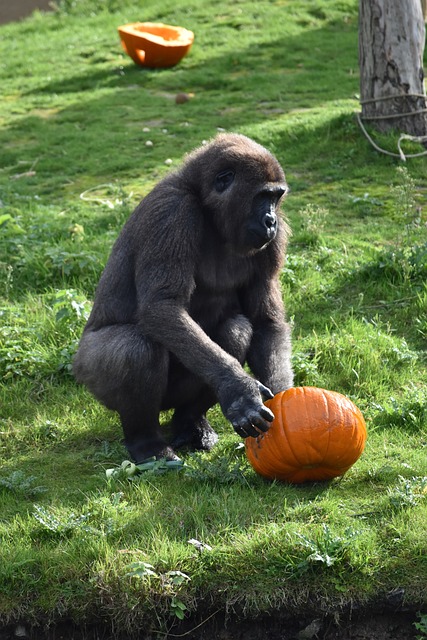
(309, 64)
(102, 137)
(64, 458)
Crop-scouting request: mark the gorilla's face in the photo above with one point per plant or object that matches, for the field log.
(261, 226)
(247, 212)
(243, 194)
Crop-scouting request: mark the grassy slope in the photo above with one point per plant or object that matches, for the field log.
(76, 111)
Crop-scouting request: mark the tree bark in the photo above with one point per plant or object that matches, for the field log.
(391, 49)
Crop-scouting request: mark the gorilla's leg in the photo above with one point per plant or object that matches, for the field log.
(190, 425)
(128, 373)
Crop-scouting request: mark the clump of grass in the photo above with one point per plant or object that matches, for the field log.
(362, 354)
(101, 516)
(45, 347)
(61, 526)
(171, 583)
(21, 485)
(408, 493)
(406, 261)
(221, 470)
(313, 219)
(421, 625)
(42, 247)
(305, 368)
(408, 414)
(403, 265)
(405, 203)
(326, 549)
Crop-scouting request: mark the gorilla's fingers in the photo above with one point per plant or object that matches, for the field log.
(246, 424)
(265, 391)
(267, 414)
(241, 431)
(252, 424)
(251, 431)
(256, 421)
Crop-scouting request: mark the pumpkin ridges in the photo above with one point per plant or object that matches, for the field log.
(350, 424)
(272, 437)
(342, 421)
(300, 392)
(327, 398)
(277, 424)
(287, 405)
(316, 413)
(322, 431)
(284, 424)
(267, 443)
(361, 432)
(331, 412)
(354, 423)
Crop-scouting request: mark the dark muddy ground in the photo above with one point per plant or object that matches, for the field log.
(361, 626)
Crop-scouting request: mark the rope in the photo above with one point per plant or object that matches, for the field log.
(404, 136)
(97, 198)
(403, 95)
(395, 115)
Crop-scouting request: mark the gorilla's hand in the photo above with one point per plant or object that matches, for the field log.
(242, 405)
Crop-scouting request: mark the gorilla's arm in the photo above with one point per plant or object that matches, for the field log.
(269, 352)
(238, 394)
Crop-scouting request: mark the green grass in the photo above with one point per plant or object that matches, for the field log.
(75, 116)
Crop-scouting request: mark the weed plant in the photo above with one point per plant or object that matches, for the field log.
(143, 553)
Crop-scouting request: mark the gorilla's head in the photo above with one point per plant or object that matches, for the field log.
(241, 184)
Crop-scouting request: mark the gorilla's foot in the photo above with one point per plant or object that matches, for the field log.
(196, 435)
(152, 450)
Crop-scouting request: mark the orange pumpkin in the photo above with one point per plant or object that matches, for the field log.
(154, 44)
(315, 435)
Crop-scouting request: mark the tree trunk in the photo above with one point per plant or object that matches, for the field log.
(391, 48)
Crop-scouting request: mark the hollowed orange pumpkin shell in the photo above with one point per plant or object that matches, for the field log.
(154, 44)
(315, 435)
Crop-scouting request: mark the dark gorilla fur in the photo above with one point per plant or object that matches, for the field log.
(189, 294)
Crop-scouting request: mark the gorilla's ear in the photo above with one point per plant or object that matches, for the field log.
(223, 180)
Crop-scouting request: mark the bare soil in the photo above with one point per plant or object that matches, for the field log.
(365, 625)
(11, 10)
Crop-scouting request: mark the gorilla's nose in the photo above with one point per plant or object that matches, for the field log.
(270, 220)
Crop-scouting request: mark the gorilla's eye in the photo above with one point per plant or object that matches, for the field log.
(223, 180)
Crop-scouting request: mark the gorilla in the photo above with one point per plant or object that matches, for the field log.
(189, 296)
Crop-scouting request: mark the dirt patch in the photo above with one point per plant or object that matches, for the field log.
(11, 10)
(361, 626)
